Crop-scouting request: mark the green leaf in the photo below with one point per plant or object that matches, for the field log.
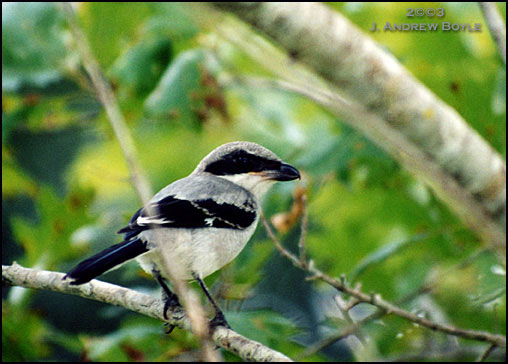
(178, 95)
(141, 66)
(46, 242)
(35, 152)
(266, 327)
(32, 45)
(171, 20)
(385, 252)
(17, 345)
(110, 27)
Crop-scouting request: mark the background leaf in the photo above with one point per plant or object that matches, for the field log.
(184, 90)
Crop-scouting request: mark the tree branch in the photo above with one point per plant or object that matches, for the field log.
(385, 306)
(466, 172)
(16, 275)
(496, 26)
(354, 327)
(406, 153)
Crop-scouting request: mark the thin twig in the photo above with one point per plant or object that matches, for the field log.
(487, 352)
(138, 177)
(278, 245)
(345, 310)
(320, 345)
(351, 329)
(303, 232)
(108, 100)
(389, 308)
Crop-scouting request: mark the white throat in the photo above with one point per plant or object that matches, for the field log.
(256, 184)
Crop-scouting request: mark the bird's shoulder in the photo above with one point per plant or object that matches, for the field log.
(197, 202)
(198, 187)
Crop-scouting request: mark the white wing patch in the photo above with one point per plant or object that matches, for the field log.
(143, 220)
(209, 221)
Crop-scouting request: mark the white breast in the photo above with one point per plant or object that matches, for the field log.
(202, 251)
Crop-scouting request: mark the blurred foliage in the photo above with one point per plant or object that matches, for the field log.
(66, 190)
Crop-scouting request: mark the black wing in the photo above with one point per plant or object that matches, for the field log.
(172, 212)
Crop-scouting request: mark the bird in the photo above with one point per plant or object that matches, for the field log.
(201, 222)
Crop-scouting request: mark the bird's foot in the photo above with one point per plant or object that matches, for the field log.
(219, 320)
(171, 303)
(168, 328)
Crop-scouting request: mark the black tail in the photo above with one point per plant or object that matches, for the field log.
(105, 260)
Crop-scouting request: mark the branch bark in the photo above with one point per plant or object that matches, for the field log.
(250, 350)
(348, 60)
(496, 26)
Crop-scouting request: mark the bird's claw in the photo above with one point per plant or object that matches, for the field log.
(169, 328)
(219, 320)
(170, 304)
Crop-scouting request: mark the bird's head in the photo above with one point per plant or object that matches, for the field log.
(248, 165)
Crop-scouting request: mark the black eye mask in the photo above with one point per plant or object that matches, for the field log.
(241, 161)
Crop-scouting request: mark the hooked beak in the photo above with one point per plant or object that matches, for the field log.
(285, 172)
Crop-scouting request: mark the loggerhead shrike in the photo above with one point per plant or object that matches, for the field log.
(203, 221)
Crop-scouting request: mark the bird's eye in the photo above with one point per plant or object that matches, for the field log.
(243, 161)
